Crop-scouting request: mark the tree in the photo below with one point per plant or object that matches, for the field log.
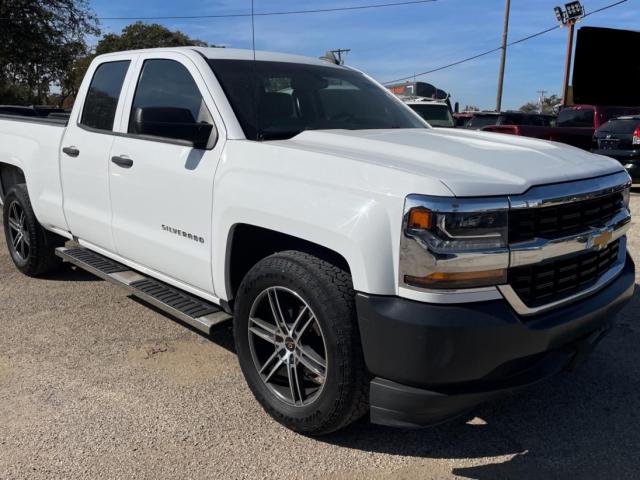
(140, 35)
(72, 79)
(135, 36)
(549, 105)
(39, 42)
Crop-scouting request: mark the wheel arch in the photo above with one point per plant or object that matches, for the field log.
(10, 175)
(247, 244)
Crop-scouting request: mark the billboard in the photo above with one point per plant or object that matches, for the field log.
(417, 89)
(607, 67)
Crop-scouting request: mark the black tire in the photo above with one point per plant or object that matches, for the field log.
(328, 293)
(38, 257)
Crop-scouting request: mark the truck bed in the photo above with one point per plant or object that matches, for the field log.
(32, 144)
(56, 121)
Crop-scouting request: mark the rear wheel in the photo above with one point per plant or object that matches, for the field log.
(32, 248)
(298, 344)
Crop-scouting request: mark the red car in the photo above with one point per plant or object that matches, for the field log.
(575, 124)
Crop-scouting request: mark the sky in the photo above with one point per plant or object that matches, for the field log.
(397, 41)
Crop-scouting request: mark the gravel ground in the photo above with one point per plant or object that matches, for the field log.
(94, 384)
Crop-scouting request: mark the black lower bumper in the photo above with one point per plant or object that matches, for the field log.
(433, 362)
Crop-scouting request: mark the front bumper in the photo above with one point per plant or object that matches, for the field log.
(433, 362)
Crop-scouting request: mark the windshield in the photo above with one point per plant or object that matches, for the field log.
(479, 121)
(437, 115)
(294, 97)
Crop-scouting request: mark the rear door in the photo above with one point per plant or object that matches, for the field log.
(161, 184)
(84, 156)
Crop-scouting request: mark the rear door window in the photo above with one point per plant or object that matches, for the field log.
(100, 106)
(570, 117)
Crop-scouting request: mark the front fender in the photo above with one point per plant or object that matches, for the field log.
(358, 229)
(348, 205)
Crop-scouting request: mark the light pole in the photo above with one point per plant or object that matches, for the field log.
(572, 13)
(503, 55)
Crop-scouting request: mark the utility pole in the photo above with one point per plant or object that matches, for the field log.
(503, 54)
(541, 99)
(338, 53)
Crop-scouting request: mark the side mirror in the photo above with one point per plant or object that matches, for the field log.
(172, 123)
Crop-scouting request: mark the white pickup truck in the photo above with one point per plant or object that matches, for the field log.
(369, 263)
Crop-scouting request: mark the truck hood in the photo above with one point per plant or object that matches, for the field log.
(469, 163)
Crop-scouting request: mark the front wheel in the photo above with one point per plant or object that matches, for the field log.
(32, 248)
(298, 344)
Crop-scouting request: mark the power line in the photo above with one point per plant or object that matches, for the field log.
(493, 50)
(606, 7)
(268, 14)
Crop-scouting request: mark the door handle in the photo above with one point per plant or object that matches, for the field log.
(122, 161)
(71, 151)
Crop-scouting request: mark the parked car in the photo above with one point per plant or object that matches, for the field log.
(18, 111)
(47, 110)
(619, 138)
(369, 263)
(31, 111)
(437, 113)
(481, 120)
(417, 90)
(575, 125)
(461, 118)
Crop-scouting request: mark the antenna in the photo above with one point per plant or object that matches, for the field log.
(255, 73)
(253, 31)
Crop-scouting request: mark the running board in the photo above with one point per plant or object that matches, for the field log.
(196, 312)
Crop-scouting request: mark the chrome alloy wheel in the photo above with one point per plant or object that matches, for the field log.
(18, 232)
(287, 346)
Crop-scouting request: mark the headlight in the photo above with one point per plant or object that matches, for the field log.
(458, 231)
(454, 243)
(626, 197)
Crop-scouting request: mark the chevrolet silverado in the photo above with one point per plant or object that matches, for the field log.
(368, 262)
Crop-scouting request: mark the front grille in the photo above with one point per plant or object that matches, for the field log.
(547, 282)
(550, 222)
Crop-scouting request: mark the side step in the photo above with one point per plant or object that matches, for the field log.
(190, 309)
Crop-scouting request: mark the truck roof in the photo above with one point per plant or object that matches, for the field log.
(422, 101)
(219, 53)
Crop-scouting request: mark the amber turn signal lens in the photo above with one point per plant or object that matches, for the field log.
(419, 219)
(459, 279)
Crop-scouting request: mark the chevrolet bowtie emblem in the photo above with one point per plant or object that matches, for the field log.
(601, 240)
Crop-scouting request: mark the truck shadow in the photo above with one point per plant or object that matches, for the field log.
(221, 334)
(69, 273)
(583, 424)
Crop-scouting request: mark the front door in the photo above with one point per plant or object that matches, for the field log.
(161, 184)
